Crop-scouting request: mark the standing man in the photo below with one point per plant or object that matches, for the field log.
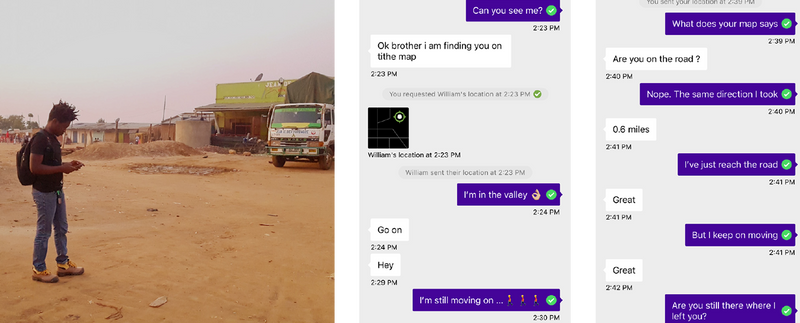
(51, 205)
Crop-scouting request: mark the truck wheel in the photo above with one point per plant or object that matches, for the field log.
(326, 161)
(278, 161)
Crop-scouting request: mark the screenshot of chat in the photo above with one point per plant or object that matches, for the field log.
(697, 141)
(464, 161)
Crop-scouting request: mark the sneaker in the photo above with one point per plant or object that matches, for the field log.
(44, 276)
(69, 269)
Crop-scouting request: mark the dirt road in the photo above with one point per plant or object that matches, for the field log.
(205, 248)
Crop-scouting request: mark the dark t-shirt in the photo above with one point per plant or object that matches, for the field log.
(51, 150)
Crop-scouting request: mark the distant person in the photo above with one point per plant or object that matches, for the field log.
(137, 140)
(48, 194)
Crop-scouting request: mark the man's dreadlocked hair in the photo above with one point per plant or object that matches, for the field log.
(63, 112)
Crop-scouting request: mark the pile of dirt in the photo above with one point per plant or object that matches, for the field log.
(67, 151)
(214, 149)
(105, 150)
(176, 169)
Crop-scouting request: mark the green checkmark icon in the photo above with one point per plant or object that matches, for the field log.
(551, 195)
(786, 234)
(787, 94)
(786, 310)
(551, 300)
(552, 10)
(537, 94)
(787, 23)
(786, 164)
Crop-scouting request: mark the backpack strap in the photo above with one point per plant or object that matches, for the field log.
(29, 145)
(46, 136)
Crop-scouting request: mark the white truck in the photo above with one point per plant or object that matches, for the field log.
(302, 132)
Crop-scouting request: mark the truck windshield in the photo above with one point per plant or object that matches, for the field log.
(302, 117)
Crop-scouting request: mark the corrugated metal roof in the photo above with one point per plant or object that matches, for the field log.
(107, 126)
(215, 107)
(189, 116)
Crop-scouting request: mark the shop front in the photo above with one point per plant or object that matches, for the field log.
(241, 110)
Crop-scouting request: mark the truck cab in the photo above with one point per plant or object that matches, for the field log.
(302, 132)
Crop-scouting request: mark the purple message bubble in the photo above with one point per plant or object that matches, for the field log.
(513, 10)
(717, 94)
(691, 164)
(740, 235)
(486, 300)
(729, 23)
(730, 308)
(508, 194)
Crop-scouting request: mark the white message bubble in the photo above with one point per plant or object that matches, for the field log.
(388, 229)
(384, 265)
(630, 129)
(624, 270)
(440, 51)
(656, 59)
(624, 200)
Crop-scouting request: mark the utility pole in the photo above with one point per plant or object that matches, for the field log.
(116, 131)
(165, 109)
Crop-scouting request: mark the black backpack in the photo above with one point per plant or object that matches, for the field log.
(24, 162)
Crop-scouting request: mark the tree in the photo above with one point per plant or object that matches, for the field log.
(101, 121)
(12, 122)
(33, 125)
(30, 115)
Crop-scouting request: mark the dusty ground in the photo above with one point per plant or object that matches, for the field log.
(204, 249)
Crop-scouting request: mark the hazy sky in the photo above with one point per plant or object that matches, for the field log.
(115, 59)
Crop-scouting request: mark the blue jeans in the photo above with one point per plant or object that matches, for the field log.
(52, 215)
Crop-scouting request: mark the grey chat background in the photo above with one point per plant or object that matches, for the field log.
(656, 234)
(467, 247)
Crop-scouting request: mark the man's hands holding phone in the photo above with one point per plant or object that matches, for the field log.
(71, 166)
